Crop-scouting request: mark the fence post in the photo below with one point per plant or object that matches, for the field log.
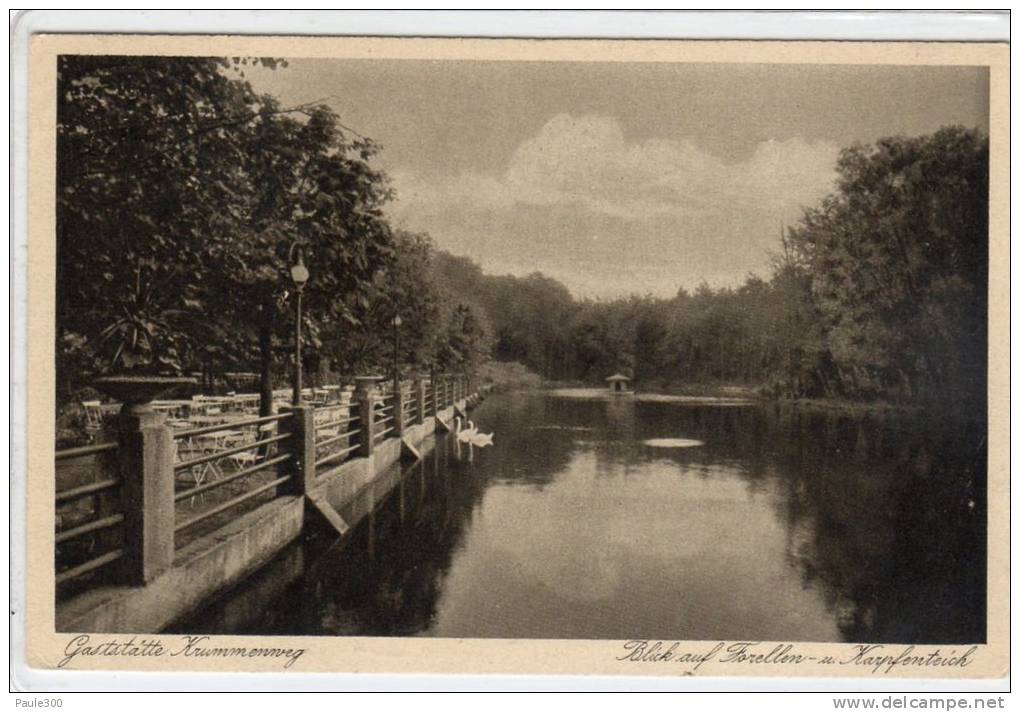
(145, 460)
(365, 394)
(419, 394)
(398, 408)
(433, 386)
(301, 444)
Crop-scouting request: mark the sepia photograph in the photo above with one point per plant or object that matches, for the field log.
(355, 346)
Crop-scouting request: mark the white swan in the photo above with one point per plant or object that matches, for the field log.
(482, 439)
(470, 434)
(477, 438)
(466, 435)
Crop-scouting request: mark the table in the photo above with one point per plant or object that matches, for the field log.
(203, 420)
(176, 409)
(208, 443)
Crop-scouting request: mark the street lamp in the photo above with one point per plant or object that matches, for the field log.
(299, 275)
(397, 321)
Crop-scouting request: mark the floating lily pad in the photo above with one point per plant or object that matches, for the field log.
(565, 428)
(673, 442)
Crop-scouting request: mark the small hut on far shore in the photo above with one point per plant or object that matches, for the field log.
(618, 383)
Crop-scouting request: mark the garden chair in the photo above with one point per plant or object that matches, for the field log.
(93, 418)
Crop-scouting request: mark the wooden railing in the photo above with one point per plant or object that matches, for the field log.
(337, 431)
(385, 419)
(88, 515)
(258, 453)
(141, 497)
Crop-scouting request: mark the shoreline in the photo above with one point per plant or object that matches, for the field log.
(743, 392)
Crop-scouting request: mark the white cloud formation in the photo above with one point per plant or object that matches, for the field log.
(581, 202)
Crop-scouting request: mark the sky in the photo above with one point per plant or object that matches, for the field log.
(620, 178)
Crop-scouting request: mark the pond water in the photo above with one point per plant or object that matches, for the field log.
(601, 516)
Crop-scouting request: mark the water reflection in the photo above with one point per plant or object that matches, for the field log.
(784, 524)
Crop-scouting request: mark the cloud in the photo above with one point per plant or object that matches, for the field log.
(610, 216)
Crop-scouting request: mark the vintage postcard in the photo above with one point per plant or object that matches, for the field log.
(406, 355)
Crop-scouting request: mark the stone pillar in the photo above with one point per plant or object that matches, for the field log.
(420, 384)
(145, 460)
(301, 444)
(366, 395)
(399, 398)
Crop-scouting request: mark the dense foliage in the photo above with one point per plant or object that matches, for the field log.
(181, 194)
(878, 293)
(898, 259)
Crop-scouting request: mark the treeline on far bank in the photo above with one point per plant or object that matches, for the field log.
(877, 294)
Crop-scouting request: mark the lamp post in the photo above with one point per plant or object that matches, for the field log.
(299, 275)
(397, 321)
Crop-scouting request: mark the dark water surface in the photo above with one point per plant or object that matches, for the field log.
(783, 524)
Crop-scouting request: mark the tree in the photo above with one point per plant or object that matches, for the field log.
(464, 343)
(527, 315)
(405, 285)
(316, 189)
(146, 165)
(180, 192)
(898, 262)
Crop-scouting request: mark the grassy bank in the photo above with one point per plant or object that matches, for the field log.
(702, 390)
(505, 376)
(961, 410)
(508, 375)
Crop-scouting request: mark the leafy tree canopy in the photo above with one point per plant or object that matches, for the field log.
(180, 193)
